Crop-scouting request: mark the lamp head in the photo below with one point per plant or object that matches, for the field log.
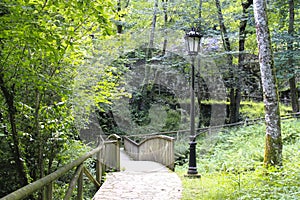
(193, 38)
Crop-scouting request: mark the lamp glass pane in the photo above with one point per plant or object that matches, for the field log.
(191, 44)
(197, 44)
(187, 44)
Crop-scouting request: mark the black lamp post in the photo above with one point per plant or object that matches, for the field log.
(193, 39)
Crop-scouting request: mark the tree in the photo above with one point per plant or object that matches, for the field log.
(273, 145)
(234, 91)
(165, 10)
(41, 47)
(285, 46)
(241, 59)
(290, 48)
(120, 13)
(234, 79)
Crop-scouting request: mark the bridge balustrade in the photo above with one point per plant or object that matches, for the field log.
(159, 148)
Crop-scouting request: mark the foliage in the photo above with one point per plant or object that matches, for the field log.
(71, 151)
(41, 47)
(231, 167)
(255, 110)
(279, 19)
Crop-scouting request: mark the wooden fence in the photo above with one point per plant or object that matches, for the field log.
(107, 158)
(157, 148)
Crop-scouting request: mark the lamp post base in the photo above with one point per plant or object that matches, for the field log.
(192, 175)
(192, 171)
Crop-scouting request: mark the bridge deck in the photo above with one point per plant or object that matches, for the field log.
(143, 180)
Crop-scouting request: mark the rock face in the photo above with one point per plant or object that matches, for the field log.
(164, 80)
(141, 101)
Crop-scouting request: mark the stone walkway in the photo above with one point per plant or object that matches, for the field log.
(140, 180)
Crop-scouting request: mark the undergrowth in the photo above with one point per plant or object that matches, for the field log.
(231, 166)
(253, 110)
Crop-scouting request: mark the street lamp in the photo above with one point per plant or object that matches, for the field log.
(193, 39)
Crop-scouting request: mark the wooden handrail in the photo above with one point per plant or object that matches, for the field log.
(39, 184)
(114, 137)
(46, 182)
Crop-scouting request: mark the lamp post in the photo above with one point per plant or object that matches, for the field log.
(193, 39)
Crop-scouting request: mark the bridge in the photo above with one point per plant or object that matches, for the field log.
(134, 170)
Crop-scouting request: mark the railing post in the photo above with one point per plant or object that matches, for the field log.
(73, 182)
(99, 168)
(80, 186)
(118, 154)
(42, 194)
(49, 191)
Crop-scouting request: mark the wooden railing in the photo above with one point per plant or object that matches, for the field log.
(111, 157)
(157, 148)
(107, 158)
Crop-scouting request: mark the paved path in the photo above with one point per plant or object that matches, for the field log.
(140, 180)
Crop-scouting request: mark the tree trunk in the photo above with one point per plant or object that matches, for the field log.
(233, 96)
(199, 96)
(225, 37)
(9, 98)
(119, 9)
(294, 94)
(200, 15)
(235, 99)
(273, 145)
(40, 150)
(290, 48)
(151, 44)
(152, 33)
(119, 26)
(165, 10)
(235, 116)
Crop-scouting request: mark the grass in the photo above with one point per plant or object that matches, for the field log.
(230, 164)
